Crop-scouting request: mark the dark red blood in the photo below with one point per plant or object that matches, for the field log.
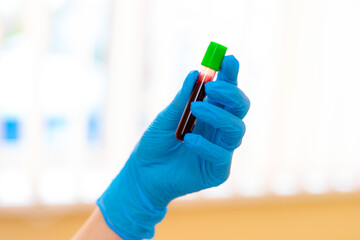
(187, 122)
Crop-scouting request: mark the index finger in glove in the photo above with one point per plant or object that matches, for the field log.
(229, 70)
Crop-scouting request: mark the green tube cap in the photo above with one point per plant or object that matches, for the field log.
(214, 56)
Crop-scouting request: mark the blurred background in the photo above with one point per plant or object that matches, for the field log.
(80, 80)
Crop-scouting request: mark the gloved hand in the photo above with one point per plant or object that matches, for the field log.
(162, 168)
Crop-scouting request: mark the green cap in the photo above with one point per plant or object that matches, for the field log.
(214, 56)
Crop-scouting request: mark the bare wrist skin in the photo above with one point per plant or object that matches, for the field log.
(95, 228)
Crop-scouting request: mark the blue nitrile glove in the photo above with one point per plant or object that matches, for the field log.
(162, 168)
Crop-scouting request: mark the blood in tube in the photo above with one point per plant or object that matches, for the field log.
(211, 62)
(188, 120)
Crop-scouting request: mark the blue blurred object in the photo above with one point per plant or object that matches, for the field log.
(93, 127)
(55, 123)
(56, 132)
(11, 129)
(162, 168)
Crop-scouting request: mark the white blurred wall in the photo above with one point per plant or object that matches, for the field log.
(83, 80)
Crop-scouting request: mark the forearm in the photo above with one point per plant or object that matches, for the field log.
(95, 228)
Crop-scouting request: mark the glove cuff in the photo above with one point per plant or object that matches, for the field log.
(126, 209)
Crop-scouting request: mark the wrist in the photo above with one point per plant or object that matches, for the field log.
(126, 209)
(95, 228)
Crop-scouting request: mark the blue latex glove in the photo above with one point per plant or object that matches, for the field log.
(162, 168)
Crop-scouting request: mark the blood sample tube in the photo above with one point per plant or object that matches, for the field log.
(211, 62)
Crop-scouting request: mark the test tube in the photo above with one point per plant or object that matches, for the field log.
(211, 62)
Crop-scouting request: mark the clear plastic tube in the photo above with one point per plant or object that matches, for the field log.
(187, 122)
